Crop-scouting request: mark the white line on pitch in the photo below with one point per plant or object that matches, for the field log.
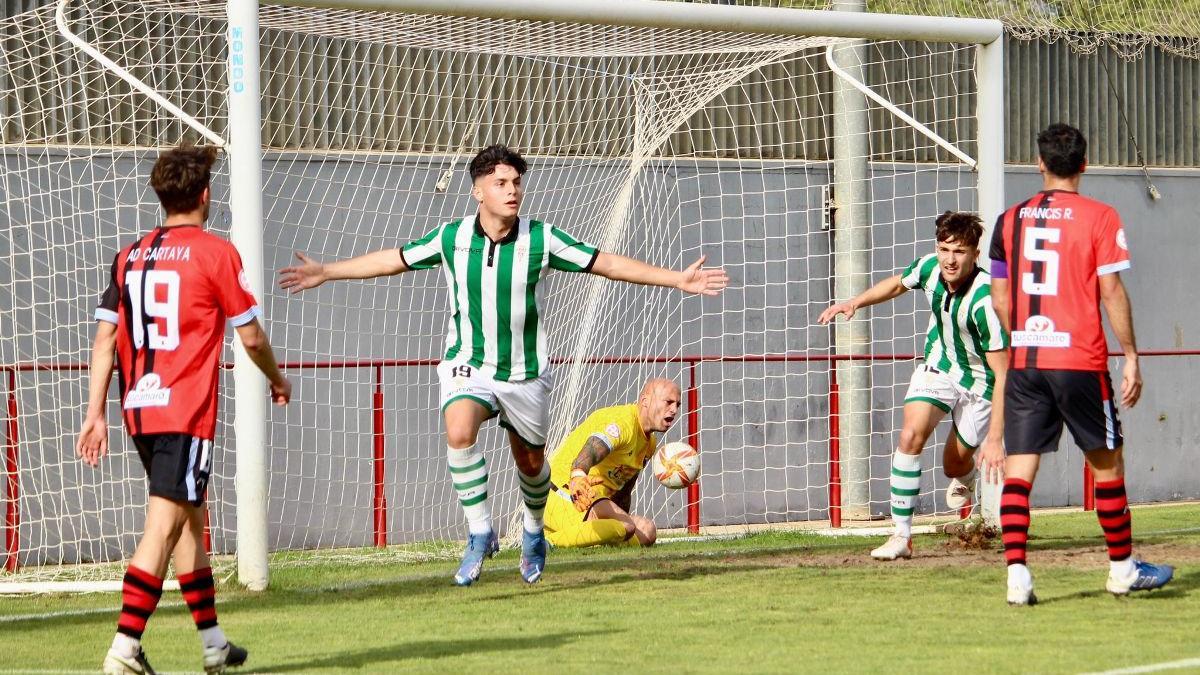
(31, 671)
(1152, 667)
(60, 671)
(69, 612)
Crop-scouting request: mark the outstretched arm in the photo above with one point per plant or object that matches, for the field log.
(881, 292)
(310, 273)
(694, 279)
(92, 443)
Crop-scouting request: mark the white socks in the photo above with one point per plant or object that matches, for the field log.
(1019, 576)
(1122, 569)
(468, 472)
(213, 637)
(906, 481)
(126, 646)
(534, 490)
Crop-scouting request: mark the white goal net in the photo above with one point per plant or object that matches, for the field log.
(660, 144)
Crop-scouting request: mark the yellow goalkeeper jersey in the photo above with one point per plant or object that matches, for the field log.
(618, 428)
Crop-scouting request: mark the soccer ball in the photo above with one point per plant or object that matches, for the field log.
(676, 465)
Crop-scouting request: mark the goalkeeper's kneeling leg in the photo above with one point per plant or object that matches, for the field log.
(566, 527)
(604, 532)
(645, 531)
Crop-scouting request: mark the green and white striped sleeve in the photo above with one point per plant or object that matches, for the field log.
(567, 253)
(919, 272)
(425, 252)
(986, 324)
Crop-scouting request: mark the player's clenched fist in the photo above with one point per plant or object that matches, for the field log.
(580, 487)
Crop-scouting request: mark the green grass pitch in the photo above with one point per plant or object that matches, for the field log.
(778, 602)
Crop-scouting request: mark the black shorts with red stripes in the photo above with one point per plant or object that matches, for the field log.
(1038, 402)
(177, 465)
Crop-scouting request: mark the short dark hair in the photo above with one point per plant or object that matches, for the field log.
(961, 226)
(488, 158)
(1063, 150)
(180, 176)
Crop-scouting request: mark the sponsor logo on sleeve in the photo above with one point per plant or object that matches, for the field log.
(148, 393)
(1121, 240)
(613, 431)
(244, 281)
(1039, 332)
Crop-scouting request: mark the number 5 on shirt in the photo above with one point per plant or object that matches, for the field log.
(1049, 283)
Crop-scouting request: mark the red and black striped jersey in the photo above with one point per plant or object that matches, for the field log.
(1054, 247)
(170, 295)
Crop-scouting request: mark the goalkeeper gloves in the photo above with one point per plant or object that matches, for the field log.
(580, 487)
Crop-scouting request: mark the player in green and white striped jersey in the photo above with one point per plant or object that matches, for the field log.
(966, 359)
(495, 364)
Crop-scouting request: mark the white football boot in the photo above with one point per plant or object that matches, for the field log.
(217, 659)
(896, 546)
(116, 664)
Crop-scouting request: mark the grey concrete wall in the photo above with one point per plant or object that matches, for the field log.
(764, 427)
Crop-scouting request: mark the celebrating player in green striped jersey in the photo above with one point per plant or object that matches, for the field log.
(966, 359)
(495, 362)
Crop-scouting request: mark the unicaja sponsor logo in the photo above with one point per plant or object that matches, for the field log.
(148, 393)
(1039, 332)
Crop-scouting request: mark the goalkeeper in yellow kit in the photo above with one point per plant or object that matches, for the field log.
(595, 468)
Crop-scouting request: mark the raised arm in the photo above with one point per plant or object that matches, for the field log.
(310, 273)
(1120, 317)
(883, 291)
(694, 279)
(92, 443)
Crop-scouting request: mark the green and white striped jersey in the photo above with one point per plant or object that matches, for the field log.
(495, 317)
(963, 325)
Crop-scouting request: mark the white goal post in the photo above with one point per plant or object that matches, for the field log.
(714, 140)
(987, 34)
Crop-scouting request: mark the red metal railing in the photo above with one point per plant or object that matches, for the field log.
(1089, 488)
(379, 501)
(693, 436)
(835, 450)
(12, 519)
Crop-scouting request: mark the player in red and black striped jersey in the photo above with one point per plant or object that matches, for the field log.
(169, 297)
(1055, 258)
(170, 294)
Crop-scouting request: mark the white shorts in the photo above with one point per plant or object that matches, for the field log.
(523, 407)
(970, 412)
